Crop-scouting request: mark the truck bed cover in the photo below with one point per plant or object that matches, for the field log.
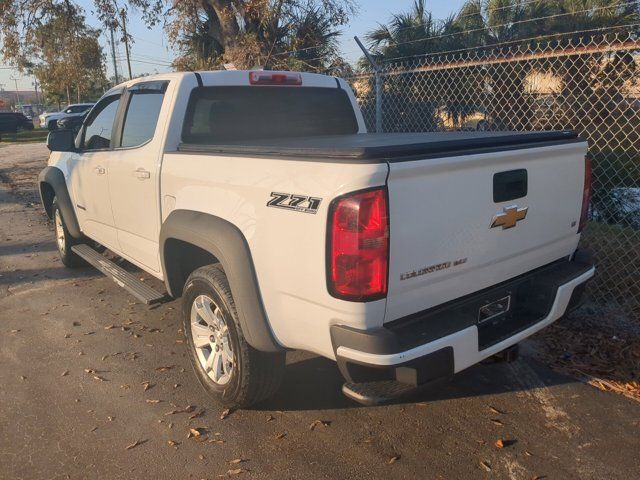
(387, 146)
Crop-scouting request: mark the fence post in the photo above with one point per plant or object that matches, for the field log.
(379, 86)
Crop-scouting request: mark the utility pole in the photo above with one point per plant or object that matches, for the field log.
(378, 79)
(113, 56)
(35, 86)
(123, 14)
(17, 94)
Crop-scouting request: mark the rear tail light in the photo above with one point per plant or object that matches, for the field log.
(274, 78)
(358, 246)
(586, 195)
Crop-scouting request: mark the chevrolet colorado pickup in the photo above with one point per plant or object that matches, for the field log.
(260, 199)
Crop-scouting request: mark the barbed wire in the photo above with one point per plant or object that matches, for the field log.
(463, 32)
(512, 42)
(528, 20)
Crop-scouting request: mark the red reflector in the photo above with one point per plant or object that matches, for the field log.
(359, 246)
(586, 194)
(274, 78)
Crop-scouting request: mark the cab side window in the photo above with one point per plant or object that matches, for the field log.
(142, 113)
(98, 128)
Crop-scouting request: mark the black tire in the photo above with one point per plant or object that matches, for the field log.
(68, 257)
(52, 125)
(255, 375)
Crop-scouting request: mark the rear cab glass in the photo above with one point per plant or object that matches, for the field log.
(223, 115)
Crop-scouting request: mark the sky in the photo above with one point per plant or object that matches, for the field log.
(150, 53)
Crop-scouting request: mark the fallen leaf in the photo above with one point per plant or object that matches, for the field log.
(236, 471)
(23, 378)
(497, 422)
(316, 423)
(134, 444)
(236, 461)
(94, 429)
(485, 465)
(147, 385)
(196, 415)
(89, 370)
(98, 377)
(153, 401)
(201, 457)
(499, 443)
(125, 387)
(270, 418)
(164, 369)
(65, 373)
(109, 327)
(225, 413)
(393, 459)
(281, 436)
(173, 443)
(528, 453)
(196, 433)
(15, 331)
(187, 409)
(110, 418)
(421, 404)
(495, 410)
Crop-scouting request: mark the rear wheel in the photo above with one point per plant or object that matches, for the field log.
(64, 240)
(228, 367)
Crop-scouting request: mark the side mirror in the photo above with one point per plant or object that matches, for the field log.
(61, 141)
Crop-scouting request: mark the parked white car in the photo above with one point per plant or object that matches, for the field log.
(261, 200)
(49, 120)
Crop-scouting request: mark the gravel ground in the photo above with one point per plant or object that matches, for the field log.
(90, 380)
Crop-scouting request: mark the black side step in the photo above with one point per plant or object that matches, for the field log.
(129, 282)
(377, 392)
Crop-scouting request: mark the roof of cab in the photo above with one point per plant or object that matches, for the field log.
(226, 77)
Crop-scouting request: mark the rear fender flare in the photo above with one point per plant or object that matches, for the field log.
(227, 244)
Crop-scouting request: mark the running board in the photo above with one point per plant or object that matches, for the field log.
(126, 280)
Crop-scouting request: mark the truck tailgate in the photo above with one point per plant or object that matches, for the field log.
(468, 221)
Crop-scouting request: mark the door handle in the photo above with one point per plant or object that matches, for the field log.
(100, 170)
(142, 174)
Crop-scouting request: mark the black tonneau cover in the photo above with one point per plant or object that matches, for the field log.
(387, 146)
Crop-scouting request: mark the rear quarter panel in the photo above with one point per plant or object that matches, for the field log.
(288, 247)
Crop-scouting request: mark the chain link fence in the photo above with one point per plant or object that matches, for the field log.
(590, 85)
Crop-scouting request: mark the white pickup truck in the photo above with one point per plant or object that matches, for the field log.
(260, 199)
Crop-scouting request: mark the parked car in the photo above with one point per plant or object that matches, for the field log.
(72, 122)
(13, 122)
(50, 120)
(260, 199)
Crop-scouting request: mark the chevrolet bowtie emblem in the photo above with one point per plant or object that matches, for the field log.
(509, 217)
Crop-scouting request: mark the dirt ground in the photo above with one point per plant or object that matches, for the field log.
(93, 384)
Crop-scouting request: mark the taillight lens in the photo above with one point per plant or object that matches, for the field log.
(586, 195)
(358, 250)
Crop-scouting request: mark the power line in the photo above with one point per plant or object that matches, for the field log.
(528, 20)
(511, 42)
(548, 17)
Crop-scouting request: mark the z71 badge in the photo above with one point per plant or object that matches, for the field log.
(298, 203)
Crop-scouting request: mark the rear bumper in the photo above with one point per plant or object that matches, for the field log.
(442, 341)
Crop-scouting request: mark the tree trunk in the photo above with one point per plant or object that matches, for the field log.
(68, 95)
(228, 23)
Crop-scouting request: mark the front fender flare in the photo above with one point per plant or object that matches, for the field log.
(226, 242)
(54, 177)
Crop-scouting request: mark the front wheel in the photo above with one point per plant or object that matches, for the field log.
(228, 367)
(64, 240)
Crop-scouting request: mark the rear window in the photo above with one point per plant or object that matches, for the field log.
(219, 115)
